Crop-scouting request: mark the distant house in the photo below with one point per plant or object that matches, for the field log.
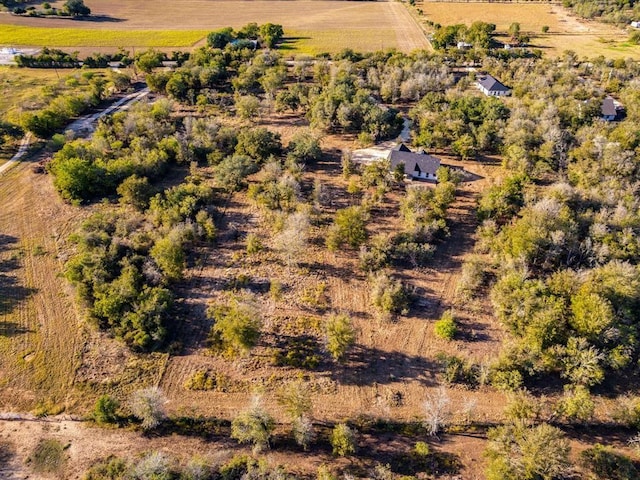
(635, 24)
(464, 45)
(416, 165)
(610, 109)
(492, 87)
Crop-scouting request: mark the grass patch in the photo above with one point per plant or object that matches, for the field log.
(48, 456)
(78, 37)
(332, 41)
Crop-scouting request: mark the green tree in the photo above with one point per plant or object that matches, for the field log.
(236, 329)
(76, 8)
(147, 61)
(231, 173)
(220, 38)
(343, 440)
(258, 143)
(169, 255)
(348, 228)
(271, 34)
(522, 453)
(135, 191)
(340, 335)
(253, 426)
(105, 410)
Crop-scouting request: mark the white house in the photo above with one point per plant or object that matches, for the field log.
(416, 165)
(635, 24)
(492, 87)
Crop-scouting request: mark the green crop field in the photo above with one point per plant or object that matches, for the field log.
(78, 37)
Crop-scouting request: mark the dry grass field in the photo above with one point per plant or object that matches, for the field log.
(566, 32)
(318, 26)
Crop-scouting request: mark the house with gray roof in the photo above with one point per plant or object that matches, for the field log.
(492, 87)
(416, 165)
(610, 109)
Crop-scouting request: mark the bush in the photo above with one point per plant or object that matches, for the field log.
(446, 328)
(236, 329)
(343, 440)
(605, 463)
(48, 456)
(389, 296)
(253, 426)
(340, 335)
(348, 229)
(105, 410)
(521, 453)
(147, 405)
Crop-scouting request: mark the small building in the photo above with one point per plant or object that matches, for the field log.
(492, 87)
(464, 46)
(417, 165)
(610, 109)
(635, 24)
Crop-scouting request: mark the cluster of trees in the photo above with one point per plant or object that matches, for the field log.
(612, 11)
(267, 34)
(468, 124)
(65, 102)
(561, 229)
(478, 35)
(70, 8)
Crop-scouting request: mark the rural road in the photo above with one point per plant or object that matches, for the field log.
(82, 126)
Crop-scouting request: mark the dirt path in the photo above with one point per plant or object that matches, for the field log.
(24, 146)
(409, 33)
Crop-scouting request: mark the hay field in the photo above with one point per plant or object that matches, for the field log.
(566, 32)
(316, 25)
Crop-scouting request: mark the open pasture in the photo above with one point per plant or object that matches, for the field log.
(315, 25)
(566, 32)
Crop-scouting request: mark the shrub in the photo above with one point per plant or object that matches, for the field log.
(48, 456)
(340, 335)
(147, 405)
(605, 463)
(389, 296)
(437, 411)
(577, 404)
(105, 410)
(348, 229)
(154, 465)
(236, 329)
(295, 399)
(446, 327)
(521, 453)
(343, 440)
(253, 426)
(254, 244)
(303, 431)
(112, 468)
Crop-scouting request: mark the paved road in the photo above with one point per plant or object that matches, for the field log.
(84, 126)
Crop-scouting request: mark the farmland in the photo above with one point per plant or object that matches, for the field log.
(566, 32)
(315, 26)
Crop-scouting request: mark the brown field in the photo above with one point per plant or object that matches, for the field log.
(317, 25)
(566, 32)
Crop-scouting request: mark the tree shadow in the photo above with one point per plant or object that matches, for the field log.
(98, 19)
(367, 365)
(289, 43)
(12, 293)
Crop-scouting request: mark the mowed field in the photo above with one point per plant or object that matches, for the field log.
(316, 26)
(566, 31)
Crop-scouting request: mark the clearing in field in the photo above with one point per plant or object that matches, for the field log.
(315, 26)
(566, 32)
